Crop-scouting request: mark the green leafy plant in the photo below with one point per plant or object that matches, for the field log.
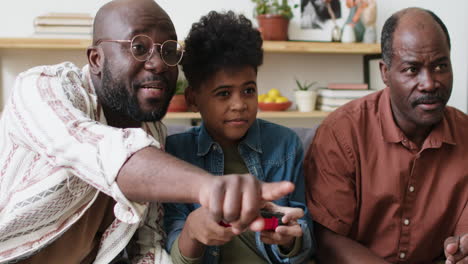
(274, 7)
(306, 85)
(180, 86)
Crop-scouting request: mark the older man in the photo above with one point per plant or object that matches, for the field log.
(388, 173)
(81, 151)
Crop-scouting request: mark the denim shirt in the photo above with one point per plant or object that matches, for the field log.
(271, 153)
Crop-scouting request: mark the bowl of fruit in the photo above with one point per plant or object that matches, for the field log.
(273, 101)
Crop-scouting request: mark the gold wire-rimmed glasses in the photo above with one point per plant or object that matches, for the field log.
(142, 48)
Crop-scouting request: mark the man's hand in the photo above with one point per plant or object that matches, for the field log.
(456, 249)
(237, 199)
(284, 235)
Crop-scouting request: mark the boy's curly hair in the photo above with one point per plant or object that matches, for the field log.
(220, 41)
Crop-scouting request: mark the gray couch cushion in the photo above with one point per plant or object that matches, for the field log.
(306, 135)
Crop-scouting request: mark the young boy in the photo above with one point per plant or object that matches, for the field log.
(221, 58)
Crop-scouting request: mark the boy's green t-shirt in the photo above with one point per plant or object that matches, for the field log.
(242, 248)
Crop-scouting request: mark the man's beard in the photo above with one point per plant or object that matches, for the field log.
(113, 95)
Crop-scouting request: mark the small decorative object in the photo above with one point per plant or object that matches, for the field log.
(273, 101)
(368, 18)
(178, 103)
(336, 34)
(348, 35)
(273, 18)
(362, 17)
(306, 96)
(336, 31)
(318, 20)
(274, 106)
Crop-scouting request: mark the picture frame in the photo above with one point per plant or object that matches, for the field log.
(312, 20)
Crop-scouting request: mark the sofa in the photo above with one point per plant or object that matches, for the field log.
(305, 134)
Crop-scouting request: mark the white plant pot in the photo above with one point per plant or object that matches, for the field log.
(305, 100)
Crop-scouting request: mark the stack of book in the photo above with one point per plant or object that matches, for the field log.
(338, 94)
(64, 24)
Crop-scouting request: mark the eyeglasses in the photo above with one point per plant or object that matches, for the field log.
(142, 48)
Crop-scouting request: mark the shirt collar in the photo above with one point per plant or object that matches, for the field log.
(87, 81)
(390, 131)
(441, 133)
(205, 141)
(89, 86)
(251, 139)
(393, 134)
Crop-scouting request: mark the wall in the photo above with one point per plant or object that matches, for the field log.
(278, 70)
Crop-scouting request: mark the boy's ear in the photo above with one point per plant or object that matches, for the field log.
(189, 94)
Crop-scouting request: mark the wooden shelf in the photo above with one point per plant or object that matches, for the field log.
(320, 47)
(269, 46)
(44, 43)
(266, 114)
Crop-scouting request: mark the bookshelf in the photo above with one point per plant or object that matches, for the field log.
(44, 43)
(320, 47)
(282, 47)
(268, 46)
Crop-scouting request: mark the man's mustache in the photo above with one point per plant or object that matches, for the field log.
(430, 99)
(156, 78)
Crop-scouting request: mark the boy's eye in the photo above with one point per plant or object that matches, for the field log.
(250, 90)
(222, 93)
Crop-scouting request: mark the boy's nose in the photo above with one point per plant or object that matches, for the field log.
(238, 104)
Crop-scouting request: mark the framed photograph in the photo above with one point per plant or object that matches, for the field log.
(313, 19)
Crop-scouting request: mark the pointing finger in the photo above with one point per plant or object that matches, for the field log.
(274, 190)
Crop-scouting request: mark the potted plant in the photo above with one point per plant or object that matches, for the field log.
(306, 96)
(178, 103)
(273, 18)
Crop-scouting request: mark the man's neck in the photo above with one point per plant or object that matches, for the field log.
(414, 132)
(417, 134)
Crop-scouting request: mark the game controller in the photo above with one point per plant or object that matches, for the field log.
(271, 220)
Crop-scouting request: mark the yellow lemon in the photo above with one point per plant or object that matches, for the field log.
(273, 93)
(261, 97)
(268, 100)
(281, 99)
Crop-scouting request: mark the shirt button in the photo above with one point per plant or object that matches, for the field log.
(411, 188)
(406, 221)
(128, 215)
(402, 255)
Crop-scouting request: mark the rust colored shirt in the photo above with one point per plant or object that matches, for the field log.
(367, 181)
(80, 243)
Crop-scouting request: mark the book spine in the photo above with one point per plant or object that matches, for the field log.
(348, 86)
